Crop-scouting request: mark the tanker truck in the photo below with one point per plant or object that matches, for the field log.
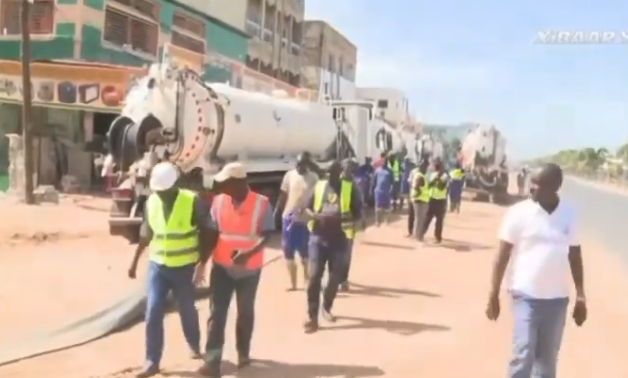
(483, 157)
(172, 115)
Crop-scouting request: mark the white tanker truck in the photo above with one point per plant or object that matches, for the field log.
(171, 114)
(483, 156)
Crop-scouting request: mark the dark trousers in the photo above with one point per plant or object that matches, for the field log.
(320, 256)
(410, 218)
(436, 209)
(223, 286)
(346, 266)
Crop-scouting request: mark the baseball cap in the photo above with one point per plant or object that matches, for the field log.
(163, 176)
(232, 170)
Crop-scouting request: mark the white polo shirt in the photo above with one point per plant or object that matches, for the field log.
(540, 261)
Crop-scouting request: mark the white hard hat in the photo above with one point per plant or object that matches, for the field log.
(232, 170)
(163, 176)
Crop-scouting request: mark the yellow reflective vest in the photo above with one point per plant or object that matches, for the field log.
(175, 240)
(456, 174)
(437, 193)
(424, 194)
(321, 193)
(395, 167)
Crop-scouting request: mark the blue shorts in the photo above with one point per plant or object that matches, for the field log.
(295, 237)
(382, 200)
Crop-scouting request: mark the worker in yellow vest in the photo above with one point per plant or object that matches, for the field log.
(395, 166)
(437, 207)
(177, 231)
(334, 207)
(456, 186)
(420, 195)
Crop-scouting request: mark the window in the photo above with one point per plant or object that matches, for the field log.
(382, 104)
(124, 30)
(188, 43)
(341, 64)
(146, 8)
(189, 24)
(42, 17)
(188, 33)
(330, 63)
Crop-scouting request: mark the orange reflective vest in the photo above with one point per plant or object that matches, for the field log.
(239, 228)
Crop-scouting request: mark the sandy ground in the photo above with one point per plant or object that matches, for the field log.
(414, 311)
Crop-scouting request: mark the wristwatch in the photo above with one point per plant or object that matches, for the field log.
(581, 298)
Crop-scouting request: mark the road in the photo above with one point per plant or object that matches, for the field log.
(414, 311)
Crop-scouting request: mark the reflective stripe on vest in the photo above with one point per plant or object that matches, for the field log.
(238, 228)
(436, 193)
(396, 169)
(175, 240)
(456, 174)
(346, 218)
(424, 194)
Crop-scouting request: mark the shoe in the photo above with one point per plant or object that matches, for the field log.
(209, 371)
(196, 355)
(149, 370)
(310, 326)
(344, 287)
(243, 361)
(327, 315)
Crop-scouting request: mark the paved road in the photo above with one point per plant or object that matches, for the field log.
(414, 312)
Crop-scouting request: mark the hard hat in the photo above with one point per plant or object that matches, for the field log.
(163, 176)
(231, 170)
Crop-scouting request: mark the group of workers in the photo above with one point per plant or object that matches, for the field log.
(320, 213)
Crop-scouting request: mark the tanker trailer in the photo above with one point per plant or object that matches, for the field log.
(172, 115)
(483, 157)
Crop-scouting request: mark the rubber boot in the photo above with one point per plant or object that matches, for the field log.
(292, 273)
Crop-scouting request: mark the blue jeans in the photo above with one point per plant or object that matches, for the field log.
(538, 332)
(294, 239)
(346, 267)
(162, 280)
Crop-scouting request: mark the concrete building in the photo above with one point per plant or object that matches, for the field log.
(329, 61)
(274, 51)
(392, 104)
(88, 49)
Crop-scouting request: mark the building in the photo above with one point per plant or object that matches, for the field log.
(392, 104)
(86, 49)
(275, 28)
(329, 61)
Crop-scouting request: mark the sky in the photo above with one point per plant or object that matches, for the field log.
(480, 61)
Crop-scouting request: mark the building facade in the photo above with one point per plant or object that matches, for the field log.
(87, 50)
(329, 61)
(392, 104)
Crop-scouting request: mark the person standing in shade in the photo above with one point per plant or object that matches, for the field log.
(419, 199)
(540, 235)
(382, 189)
(297, 184)
(244, 222)
(456, 186)
(437, 207)
(177, 231)
(334, 209)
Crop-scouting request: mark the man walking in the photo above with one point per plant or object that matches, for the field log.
(437, 207)
(334, 207)
(177, 230)
(540, 235)
(419, 199)
(297, 184)
(382, 190)
(456, 186)
(244, 222)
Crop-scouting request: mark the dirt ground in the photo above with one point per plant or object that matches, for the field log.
(413, 311)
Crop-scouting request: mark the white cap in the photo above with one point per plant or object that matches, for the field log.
(163, 176)
(231, 170)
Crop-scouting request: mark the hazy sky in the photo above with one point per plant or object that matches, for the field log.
(478, 61)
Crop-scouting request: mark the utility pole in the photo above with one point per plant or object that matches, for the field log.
(27, 104)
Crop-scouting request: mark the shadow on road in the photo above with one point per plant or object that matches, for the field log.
(276, 369)
(392, 326)
(385, 292)
(463, 246)
(388, 245)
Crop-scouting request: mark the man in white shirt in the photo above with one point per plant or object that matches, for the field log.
(539, 233)
(296, 186)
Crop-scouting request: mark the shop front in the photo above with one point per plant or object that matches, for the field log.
(74, 103)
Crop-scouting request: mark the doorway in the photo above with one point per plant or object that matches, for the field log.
(101, 124)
